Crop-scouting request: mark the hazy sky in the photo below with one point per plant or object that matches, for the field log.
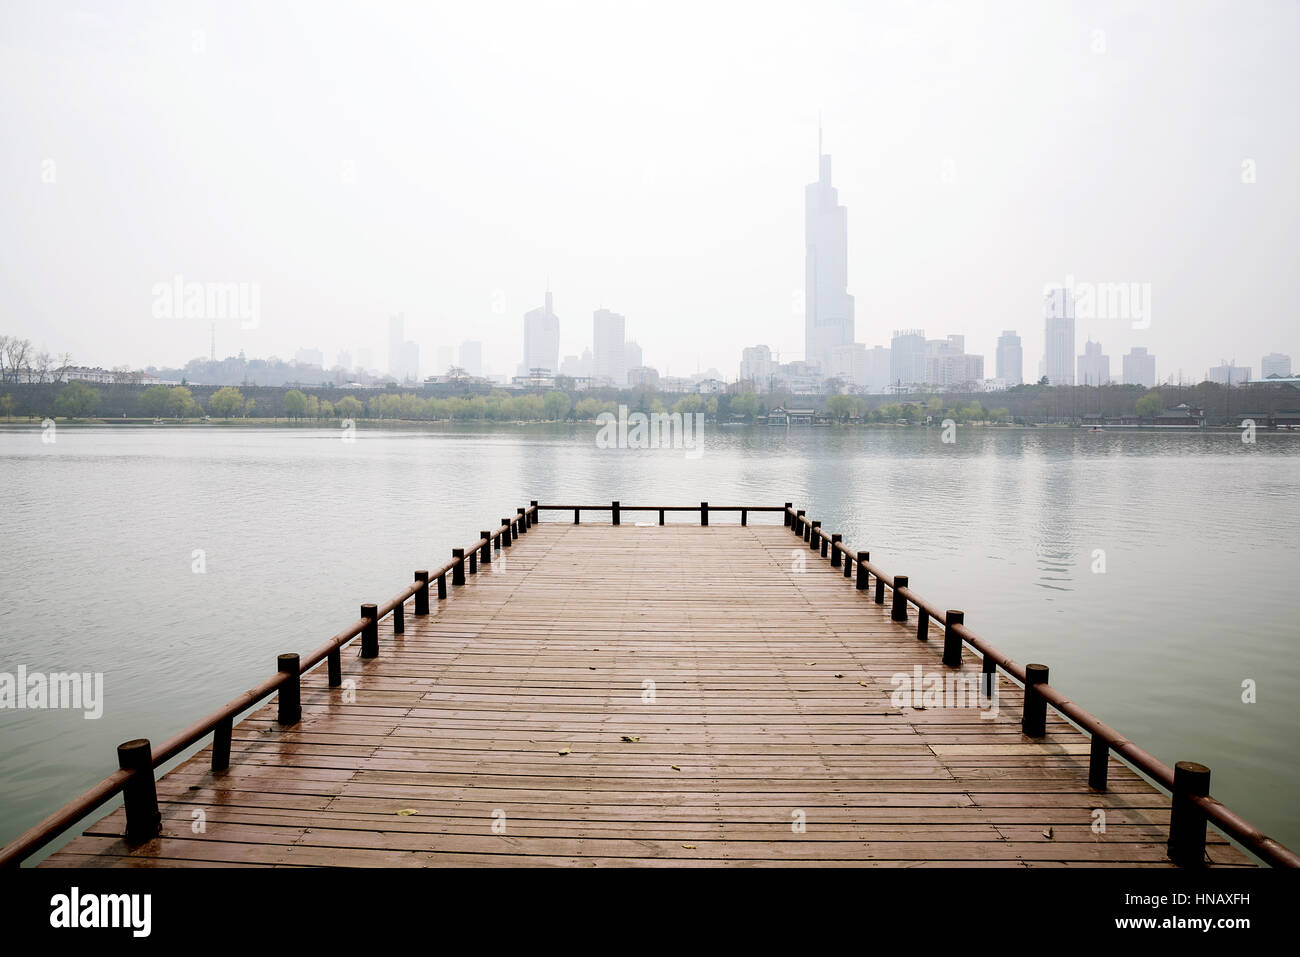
(444, 159)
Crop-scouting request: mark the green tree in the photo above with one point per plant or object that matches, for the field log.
(556, 404)
(1151, 404)
(349, 407)
(180, 402)
(745, 404)
(840, 407)
(226, 401)
(7, 406)
(154, 400)
(295, 404)
(76, 400)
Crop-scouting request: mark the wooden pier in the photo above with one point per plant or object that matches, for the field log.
(645, 693)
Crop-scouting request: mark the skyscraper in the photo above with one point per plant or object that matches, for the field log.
(907, 358)
(396, 337)
(828, 307)
(1094, 365)
(1058, 352)
(541, 339)
(608, 359)
(1011, 358)
(471, 357)
(1139, 367)
(1275, 363)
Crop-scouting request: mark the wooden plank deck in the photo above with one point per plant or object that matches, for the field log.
(496, 731)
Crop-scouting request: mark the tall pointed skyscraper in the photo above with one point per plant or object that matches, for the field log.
(828, 307)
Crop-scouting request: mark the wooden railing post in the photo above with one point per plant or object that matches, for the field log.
(614, 509)
(139, 794)
(537, 512)
(661, 516)
(290, 695)
(744, 517)
(399, 618)
(951, 640)
(786, 518)
(221, 736)
(422, 593)
(1098, 763)
(458, 566)
(810, 530)
(864, 577)
(335, 659)
(370, 633)
(472, 558)
(814, 533)
(486, 550)
(1034, 719)
(836, 558)
(704, 513)
(576, 517)
(442, 585)
(922, 624)
(989, 676)
(1186, 818)
(898, 606)
(505, 532)
(523, 519)
(799, 523)
(880, 590)
(823, 543)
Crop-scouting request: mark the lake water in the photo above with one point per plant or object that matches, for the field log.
(1200, 534)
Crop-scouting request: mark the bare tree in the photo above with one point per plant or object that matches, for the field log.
(41, 366)
(65, 363)
(16, 355)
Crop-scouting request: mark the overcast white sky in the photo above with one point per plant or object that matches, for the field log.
(649, 158)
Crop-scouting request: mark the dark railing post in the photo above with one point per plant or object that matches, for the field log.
(139, 794)
(922, 625)
(898, 606)
(824, 542)
(814, 534)
(505, 533)
(370, 633)
(442, 585)
(704, 513)
(1034, 720)
(614, 509)
(458, 566)
(399, 618)
(221, 735)
(335, 658)
(848, 563)
(661, 516)
(472, 558)
(1098, 763)
(290, 696)
(951, 640)
(798, 522)
(486, 551)
(744, 517)
(422, 593)
(785, 516)
(537, 512)
(576, 517)
(880, 590)
(523, 519)
(1186, 818)
(864, 577)
(990, 675)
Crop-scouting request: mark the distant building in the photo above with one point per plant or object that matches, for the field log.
(541, 339)
(1058, 352)
(757, 367)
(446, 359)
(907, 358)
(608, 356)
(781, 416)
(849, 365)
(1275, 363)
(643, 377)
(344, 361)
(1140, 367)
(471, 358)
(576, 367)
(1227, 374)
(632, 358)
(877, 359)
(828, 307)
(403, 356)
(309, 357)
(1094, 366)
(1010, 359)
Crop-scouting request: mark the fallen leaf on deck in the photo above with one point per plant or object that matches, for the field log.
(675, 767)
(864, 684)
(564, 752)
(689, 847)
(407, 811)
(839, 676)
(631, 738)
(1047, 833)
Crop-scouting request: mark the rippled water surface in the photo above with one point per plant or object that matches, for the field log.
(1200, 535)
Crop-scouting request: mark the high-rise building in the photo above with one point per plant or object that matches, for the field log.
(344, 361)
(1058, 352)
(1275, 363)
(309, 357)
(541, 339)
(403, 356)
(608, 355)
(907, 358)
(1011, 358)
(828, 307)
(471, 357)
(1094, 366)
(1227, 374)
(1140, 367)
(877, 369)
(632, 355)
(849, 364)
(947, 366)
(446, 359)
(757, 367)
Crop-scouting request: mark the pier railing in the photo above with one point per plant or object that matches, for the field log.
(1191, 809)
